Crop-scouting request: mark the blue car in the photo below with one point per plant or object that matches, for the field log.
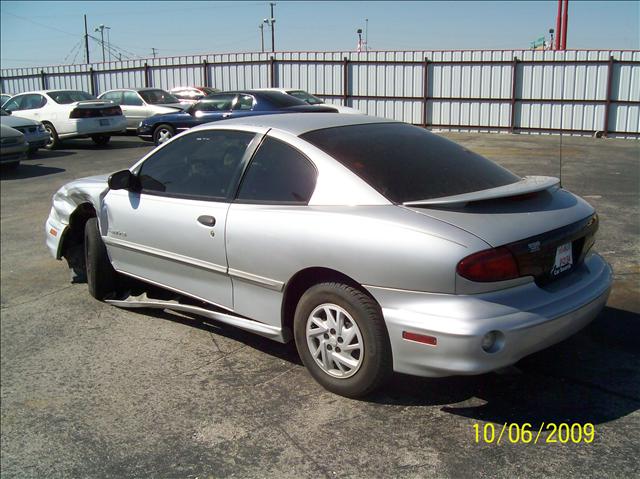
(222, 106)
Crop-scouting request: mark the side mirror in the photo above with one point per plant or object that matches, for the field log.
(123, 180)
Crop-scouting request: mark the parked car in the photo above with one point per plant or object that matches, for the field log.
(34, 131)
(221, 106)
(69, 114)
(3, 98)
(141, 103)
(374, 244)
(191, 94)
(13, 147)
(312, 99)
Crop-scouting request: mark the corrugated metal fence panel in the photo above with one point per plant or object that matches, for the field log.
(466, 90)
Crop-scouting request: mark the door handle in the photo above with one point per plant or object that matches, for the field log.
(207, 220)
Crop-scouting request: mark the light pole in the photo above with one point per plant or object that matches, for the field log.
(366, 34)
(101, 30)
(261, 27)
(359, 47)
(108, 29)
(273, 28)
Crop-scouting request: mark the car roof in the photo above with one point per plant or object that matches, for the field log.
(300, 123)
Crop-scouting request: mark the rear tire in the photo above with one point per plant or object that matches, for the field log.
(101, 140)
(101, 277)
(163, 133)
(54, 141)
(342, 339)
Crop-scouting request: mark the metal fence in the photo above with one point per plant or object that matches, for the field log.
(579, 91)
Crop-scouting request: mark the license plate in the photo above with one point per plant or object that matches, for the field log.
(564, 259)
(104, 122)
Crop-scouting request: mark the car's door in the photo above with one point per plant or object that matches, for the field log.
(172, 231)
(265, 234)
(134, 108)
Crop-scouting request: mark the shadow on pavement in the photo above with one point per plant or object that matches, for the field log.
(592, 377)
(116, 143)
(25, 170)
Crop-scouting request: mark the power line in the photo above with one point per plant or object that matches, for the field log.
(75, 35)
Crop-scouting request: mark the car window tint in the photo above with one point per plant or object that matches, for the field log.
(64, 97)
(407, 163)
(245, 102)
(304, 96)
(131, 98)
(278, 173)
(201, 164)
(158, 97)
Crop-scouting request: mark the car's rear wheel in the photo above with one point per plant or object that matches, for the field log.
(342, 339)
(101, 140)
(101, 277)
(53, 141)
(163, 133)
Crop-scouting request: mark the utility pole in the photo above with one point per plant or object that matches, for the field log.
(261, 27)
(153, 51)
(86, 39)
(273, 28)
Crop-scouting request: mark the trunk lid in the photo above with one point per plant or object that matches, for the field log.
(533, 226)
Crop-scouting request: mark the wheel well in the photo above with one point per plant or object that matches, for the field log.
(302, 281)
(74, 235)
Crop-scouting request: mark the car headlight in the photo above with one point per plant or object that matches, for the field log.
(41, 128)
(140, 124)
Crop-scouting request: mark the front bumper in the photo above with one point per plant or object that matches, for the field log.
(529, 318)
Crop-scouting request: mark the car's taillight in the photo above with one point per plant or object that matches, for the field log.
(80, 113)
(496, 264)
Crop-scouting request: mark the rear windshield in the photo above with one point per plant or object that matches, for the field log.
(65, 97)
(304, 96)
(280, 99)
(158, 97)
(407, 163)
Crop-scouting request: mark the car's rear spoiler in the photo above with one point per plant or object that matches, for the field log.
(528, 184)
(93, 103)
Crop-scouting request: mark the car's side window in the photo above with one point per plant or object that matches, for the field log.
(203, 164)
(220, 102)
(131, 98)
(14, 103)
(114, 96)
(278, 173)
(33, 101)
(245, 102)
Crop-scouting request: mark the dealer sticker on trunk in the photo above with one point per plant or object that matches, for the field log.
(564, 259)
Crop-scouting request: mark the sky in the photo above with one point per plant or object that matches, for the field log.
(51, 33)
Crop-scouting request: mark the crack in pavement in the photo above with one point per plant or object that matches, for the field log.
(35, 299)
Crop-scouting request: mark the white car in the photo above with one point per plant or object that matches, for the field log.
(312, 100)
(33, 131)
(139, 104)
(69, 114)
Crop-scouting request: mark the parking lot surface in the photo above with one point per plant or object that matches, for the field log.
(89, 390)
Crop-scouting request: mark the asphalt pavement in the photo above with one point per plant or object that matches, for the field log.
(90, 390)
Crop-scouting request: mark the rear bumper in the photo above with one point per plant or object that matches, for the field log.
(92, 126)
(527, 317)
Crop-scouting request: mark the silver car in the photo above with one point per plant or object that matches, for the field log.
(13, 147)
(141, 103)
(375, 245)
(34, 131)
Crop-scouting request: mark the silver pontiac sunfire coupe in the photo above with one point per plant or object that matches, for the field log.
(375, 245)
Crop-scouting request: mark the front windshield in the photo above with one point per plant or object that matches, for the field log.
(65, 97)
(158, 97)
(306, 96)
